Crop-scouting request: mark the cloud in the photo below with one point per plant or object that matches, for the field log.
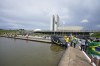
(32, 14)
(84, 21)
(98, 25)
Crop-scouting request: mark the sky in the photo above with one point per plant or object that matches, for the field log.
(37, 14)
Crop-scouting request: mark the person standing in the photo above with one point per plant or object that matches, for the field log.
(75, 41)
(71, 40)
(83, 44)
(67, 40)
(86, 44)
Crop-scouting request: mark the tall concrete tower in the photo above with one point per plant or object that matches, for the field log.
(54, 23)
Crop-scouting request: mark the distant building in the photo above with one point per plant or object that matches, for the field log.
(70, 28)
(54, 23)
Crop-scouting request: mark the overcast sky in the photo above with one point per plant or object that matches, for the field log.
(36, 14)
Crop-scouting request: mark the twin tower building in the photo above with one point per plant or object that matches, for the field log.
(54, 23)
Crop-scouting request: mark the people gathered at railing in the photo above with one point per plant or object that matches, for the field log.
(90, 46)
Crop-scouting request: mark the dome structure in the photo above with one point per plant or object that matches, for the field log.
(37, 30)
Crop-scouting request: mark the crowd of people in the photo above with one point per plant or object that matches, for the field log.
(90, 46)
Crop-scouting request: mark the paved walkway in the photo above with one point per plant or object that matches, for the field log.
(74, 57)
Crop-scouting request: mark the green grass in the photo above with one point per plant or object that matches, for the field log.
(96, 35)
(8, 31)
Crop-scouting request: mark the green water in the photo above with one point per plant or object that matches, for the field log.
(28, 53)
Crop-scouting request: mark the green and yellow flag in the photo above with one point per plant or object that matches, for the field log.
(94, 48)
(72, 38)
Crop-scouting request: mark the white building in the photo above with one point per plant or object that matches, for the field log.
(70, 28)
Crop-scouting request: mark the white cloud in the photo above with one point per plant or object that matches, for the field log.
(98, 25)
(84, 21)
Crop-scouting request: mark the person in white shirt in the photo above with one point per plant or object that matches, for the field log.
(83, 41)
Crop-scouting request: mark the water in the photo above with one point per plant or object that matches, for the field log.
(28, 53)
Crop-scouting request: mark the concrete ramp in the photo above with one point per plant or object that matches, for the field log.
(74, 57)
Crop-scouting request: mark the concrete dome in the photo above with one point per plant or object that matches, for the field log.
(37, 30)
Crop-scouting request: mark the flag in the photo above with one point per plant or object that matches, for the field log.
(71, 38)
(94, 48)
